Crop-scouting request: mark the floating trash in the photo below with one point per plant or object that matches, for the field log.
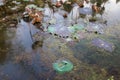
(62, 66)
(75, 28)
(103, 44)
(71, 29)
(64, 31)
(59, 29)
(78, 27)
(51, 29)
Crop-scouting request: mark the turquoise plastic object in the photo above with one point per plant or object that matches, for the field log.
(78, 27)
(51, 29)
(71, 29)
(75, 28)
(63, 66)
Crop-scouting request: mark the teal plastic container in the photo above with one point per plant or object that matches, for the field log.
(63, 66)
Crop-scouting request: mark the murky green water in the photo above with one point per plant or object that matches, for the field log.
(19, 61)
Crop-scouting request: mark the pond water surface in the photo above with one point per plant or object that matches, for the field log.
(20, 61)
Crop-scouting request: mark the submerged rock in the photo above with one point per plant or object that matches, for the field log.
(32, 63)
(65, 31)
(95, 27)
(103, 44)
(59, 29)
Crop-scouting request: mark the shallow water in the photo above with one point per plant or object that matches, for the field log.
(19, 61)
(111, 13)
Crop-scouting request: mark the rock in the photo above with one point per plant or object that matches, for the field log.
(95, 27)
(103, 44)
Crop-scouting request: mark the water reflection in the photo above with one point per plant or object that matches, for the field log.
(112, 8)
(1, 2)
(24, 34)
(3, 46)
(89, 62)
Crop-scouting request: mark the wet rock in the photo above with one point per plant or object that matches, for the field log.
(95, 27)
(60, 29)
(103, 44)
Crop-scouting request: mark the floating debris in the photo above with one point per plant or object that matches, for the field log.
(53, 21)
(62, 66)
(51, 29)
